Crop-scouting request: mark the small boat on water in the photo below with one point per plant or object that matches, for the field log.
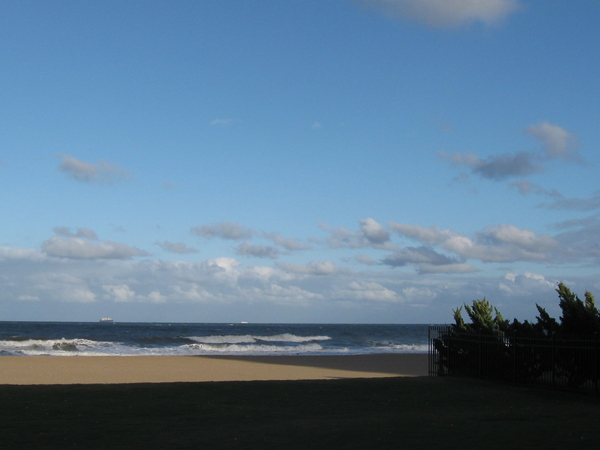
(106, 319)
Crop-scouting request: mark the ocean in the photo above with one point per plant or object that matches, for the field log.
(166, 339)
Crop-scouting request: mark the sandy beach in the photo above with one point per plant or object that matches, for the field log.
(274, 402)
(168, 369)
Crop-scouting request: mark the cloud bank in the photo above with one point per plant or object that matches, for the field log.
(75, 266)
(227, 285)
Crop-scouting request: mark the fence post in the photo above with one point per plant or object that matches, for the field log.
(553, 361)
(447, 371)
(512, 347)
(596, 363)
(479, 351)
(431, 350)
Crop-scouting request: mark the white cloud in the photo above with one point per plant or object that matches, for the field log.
(374, 232)
(24, 254)
(77, 295)
(416, 255)
(290, 295)
(206, 272)
(259, 251)
(525, 187)
(369, 291)
(60, 286)
(81, 232)
(176, 247)
(341, 237)
(224, 230)
(194, 293)
(156, 297)
(575, 204)
(428, 236)
(508, 165)
(74, 266)
(371, 234)
(222, 266)
(120, 293)
(520, 284)
(499, 243)
(124, 294)
(511, 235)
(101, 172)
(556, 141)
(497, 167)
(427, 260)
(82, 249)
(224, 284)
(427, 268)
(419, 294)
(289, 244)
(447, 13)
(503, 243)
(28, 298)
(363, 259)
(581, 241)
(313, 268)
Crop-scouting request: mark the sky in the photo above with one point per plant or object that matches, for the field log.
(339, 161)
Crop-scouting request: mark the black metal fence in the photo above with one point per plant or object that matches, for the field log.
(559, 362)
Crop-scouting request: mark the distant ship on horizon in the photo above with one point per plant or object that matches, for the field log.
(106, 319)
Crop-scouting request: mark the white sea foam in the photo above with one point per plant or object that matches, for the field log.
(42, 347)
(192, 339)
(409, 348)
(227, 339)
(255, 349)
(286, 337)
(251, 339)
(85, 347)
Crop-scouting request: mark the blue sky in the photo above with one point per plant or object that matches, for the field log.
(296, 161)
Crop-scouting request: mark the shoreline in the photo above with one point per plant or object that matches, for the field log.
(50, 370)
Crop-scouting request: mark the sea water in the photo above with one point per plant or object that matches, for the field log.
(133, 339)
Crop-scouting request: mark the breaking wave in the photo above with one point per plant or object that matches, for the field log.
(228, 349)
(149, 339)
(250, 339)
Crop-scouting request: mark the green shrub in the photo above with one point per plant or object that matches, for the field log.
(489, 346)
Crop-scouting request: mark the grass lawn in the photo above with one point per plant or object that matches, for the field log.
(367, 414)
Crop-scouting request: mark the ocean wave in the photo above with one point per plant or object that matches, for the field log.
(42, 347)
(70, 339)
(224, 339)
(286, 337)
(410, 348)
(251, 339)
(82, 347)
(255, 349)
(161, 340)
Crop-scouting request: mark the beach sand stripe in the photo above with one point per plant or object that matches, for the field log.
(31, 370)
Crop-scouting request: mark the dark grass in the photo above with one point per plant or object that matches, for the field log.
(398, 413)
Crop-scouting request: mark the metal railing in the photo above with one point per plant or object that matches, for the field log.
(570, 362)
